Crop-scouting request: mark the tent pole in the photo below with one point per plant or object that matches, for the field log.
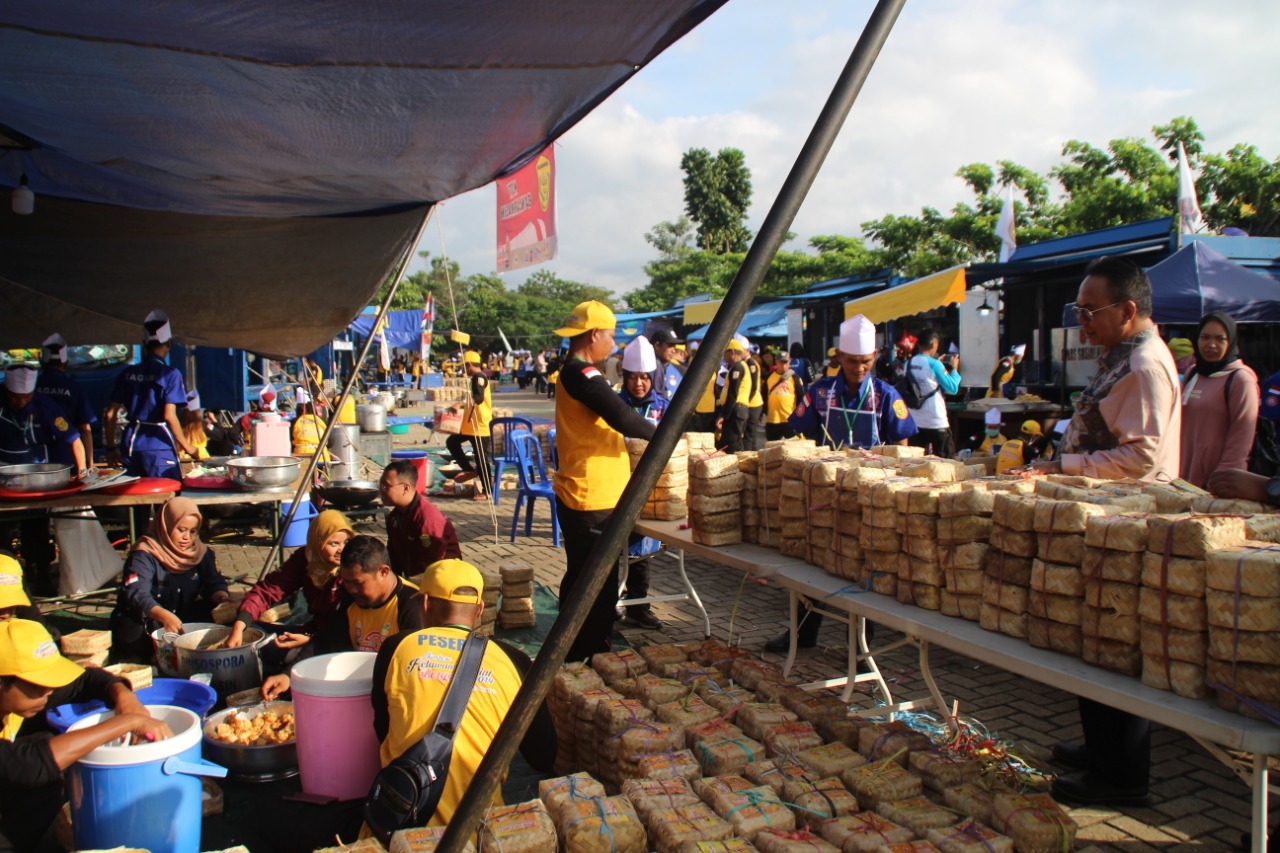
(304, 484)
(574, 607)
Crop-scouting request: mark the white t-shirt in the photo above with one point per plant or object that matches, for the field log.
(928, 373)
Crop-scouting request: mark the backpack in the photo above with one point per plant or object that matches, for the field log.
(406, 792)
(909, 390)
(1264, 456)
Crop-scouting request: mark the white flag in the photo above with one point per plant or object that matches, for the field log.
(1191, 221)
(1005, 227)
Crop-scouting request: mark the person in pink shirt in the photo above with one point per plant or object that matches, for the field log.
(1219, 403)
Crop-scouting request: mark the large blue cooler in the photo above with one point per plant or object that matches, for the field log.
(147, 795)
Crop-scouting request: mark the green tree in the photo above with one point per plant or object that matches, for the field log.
(717, 193)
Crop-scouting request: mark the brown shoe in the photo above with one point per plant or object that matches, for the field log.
(464, 477)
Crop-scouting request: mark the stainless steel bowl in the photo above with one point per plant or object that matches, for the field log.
(263, 472)
(348, 494)
(251, 763)
(38, 477)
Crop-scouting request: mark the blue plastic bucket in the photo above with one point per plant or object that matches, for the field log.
(296, 534)
(179, 692)
(146, 796)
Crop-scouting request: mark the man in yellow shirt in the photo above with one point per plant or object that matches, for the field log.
(755, 402)
(783, 389)
(412, 673)
(478, 410)
(591, 421)
(735, 399)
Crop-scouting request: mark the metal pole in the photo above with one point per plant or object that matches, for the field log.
(304, 485)
(573, 609)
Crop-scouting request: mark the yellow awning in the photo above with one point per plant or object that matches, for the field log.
(923, 294)
(701, 313)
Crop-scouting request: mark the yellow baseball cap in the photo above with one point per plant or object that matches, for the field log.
(11, 591)
(28, 652)
(471, 357)
(1032, 428)
(587, 316)
(831, 353)
(453, 580)
(734, 345)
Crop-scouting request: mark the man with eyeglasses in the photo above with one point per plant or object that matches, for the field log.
(418, 534)
(1127, 425)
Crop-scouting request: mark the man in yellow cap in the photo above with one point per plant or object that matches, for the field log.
(478, 413)
(834, 367)
(591, 421)
(1029, 446)
(412, 673)
(34, 677)
(735, 399)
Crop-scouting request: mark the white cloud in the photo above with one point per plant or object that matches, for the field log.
(956, 83)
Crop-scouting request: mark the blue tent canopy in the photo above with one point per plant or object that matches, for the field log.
(1197, 280)
(404, 328)
(761, 321)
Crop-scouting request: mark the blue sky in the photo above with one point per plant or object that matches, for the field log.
(958, 82)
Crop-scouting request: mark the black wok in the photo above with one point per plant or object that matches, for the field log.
(348, 494)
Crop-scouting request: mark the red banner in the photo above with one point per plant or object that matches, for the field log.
(527, 214)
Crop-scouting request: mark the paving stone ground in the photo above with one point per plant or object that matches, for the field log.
(1197, 803)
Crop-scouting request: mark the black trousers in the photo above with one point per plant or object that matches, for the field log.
(456, 444)
(936, 441)
(702, 422)
(752, 434)
(580, 531)
(777, 432)
(27, 815)
(637, 585)
(735, 429)
(1118, 744)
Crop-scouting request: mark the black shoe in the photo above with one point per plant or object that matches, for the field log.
(781, 644)
(1085, 788)
(1073, 755)
(642, 619)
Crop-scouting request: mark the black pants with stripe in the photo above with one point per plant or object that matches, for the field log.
(579, 533)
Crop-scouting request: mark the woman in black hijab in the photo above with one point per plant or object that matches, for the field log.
(1219, 403)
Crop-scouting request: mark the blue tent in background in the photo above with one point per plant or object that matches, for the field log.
(1197, 280)
(404, 328)
(761, 321)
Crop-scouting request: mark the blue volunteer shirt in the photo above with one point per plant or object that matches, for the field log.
(37, 432)
(60, 387)
(652, 407)
(666, 379)
(831, 414)
(144, 389)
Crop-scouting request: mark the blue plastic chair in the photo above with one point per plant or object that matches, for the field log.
(555, 454)
(508, 456)
(534, 484)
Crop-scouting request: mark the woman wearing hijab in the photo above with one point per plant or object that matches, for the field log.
(1219, 403)
(312, 569)
(170, 577)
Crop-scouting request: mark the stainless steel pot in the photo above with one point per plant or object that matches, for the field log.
(263, 472)
(251, 763)
(38, 477)
(234, 669)
(372, 417)
(344, 444)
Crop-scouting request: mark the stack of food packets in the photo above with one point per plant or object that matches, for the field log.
(715, 500)
(770, 478)
(1013, 548)
(1172, 602)
(749, 465)
(920, 576)
(520, 828)
(423, 839)
(883, 521)
(517, 597)
(1112, 568)
(571, 680)
(1243, 603)
(964, 526)
(821, 475)
(669, 499)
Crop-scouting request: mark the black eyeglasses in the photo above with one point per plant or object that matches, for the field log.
(1086, 315)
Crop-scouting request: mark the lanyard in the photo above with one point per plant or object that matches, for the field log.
(849, 423)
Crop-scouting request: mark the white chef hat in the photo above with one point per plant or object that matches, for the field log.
(193, 399)
(20, 379)
(992, 417)
(1019, 349)
(638, 357)
(857, 336)
(157, 327)
(267, 398)
(54, 348)
(301, 396)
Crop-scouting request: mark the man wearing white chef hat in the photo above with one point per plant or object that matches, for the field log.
(61, 388)
(33, 429)
(850, 409)
(149, 394)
